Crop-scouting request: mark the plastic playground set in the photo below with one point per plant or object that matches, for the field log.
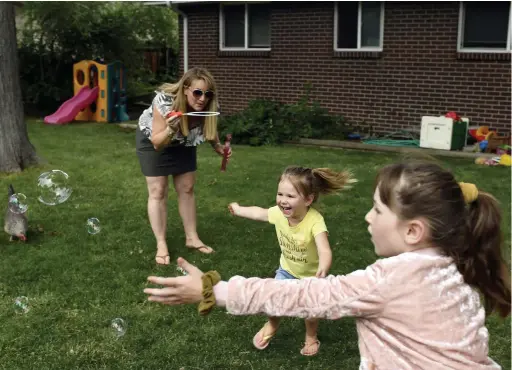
(99, 95)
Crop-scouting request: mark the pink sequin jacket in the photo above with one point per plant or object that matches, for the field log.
(414, 311)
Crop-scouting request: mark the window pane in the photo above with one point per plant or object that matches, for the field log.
(347, 24)
(370, 23)
(234, 26)
(486, 24)
(259, 26)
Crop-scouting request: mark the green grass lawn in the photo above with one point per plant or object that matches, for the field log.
(77, 283)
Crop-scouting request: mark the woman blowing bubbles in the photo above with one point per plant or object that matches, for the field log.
(167, 147)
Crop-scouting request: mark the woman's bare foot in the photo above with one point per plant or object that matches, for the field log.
(199, 245)
(162, 254)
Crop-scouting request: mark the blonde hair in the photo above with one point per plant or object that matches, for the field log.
(177, 91)
(316, 181)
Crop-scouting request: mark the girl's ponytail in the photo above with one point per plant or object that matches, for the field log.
(482, 264)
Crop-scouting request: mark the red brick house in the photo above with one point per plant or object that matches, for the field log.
(385, 63)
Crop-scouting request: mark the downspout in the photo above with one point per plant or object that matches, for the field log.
(185, 34)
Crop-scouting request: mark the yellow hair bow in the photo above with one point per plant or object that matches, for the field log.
(470, 192)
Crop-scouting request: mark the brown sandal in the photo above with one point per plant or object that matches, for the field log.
(201, 247)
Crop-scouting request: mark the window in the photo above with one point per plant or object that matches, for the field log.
(244, 27)
(358, 25)
(484, 26)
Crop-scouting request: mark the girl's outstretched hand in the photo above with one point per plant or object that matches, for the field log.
(234, 208)
(178, 290)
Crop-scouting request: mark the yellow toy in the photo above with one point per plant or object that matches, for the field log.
(110, 105)
(503, 160)
(99, 95)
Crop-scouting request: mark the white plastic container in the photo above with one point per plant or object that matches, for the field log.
(441, 133)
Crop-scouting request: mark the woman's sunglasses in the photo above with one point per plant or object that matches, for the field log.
(198, 93)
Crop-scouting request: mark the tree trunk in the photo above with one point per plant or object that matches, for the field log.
(16, 151)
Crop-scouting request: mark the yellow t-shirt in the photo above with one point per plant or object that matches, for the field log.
(299, 255)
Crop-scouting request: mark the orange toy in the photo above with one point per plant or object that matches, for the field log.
(482, 133)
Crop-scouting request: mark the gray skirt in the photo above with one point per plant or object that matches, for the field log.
(171, 160)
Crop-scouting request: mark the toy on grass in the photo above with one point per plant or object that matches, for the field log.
(15, 223)
(503, 149)
(502, 160)
(227, 146)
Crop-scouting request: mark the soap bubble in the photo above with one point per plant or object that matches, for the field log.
(93, 225)
(53, 187)
(118, 327)
(21, 305)
(18, 203)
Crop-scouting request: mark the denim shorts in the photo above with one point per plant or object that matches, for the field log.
(282, 274)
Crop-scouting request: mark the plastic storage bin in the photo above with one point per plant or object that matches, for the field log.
(442, 133)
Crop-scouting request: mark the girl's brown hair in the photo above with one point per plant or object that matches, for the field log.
(177, 91)
(469, 233)
(316, 181)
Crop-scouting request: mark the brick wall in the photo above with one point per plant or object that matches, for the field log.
(418, 73)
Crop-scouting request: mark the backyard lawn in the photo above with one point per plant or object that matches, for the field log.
(77, 283)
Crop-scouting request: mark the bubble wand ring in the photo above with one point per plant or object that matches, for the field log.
(196, 114)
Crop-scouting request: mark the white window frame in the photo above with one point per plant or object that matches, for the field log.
(359, 48)
(246, 29)
(462, 18)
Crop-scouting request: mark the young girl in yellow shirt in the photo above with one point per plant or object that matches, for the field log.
(302, 235)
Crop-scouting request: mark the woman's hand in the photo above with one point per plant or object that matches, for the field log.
(173, 123)
(178, 290)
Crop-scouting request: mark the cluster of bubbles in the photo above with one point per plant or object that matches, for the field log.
(53, 189)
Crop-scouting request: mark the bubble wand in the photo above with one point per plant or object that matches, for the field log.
(227, 146)
(197, 114)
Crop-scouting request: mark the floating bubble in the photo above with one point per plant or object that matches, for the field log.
(53, 187)
(118, 327)
(18, 203)
(93, 226)
(21, 305)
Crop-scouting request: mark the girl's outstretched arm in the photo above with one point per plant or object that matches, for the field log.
(356, 294)
(252, 213)
(361, 293)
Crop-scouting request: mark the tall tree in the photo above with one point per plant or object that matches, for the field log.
(16, 151)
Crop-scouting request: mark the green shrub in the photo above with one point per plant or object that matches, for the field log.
(269, 122)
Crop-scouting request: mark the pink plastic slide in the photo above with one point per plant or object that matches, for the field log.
(70, 108)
